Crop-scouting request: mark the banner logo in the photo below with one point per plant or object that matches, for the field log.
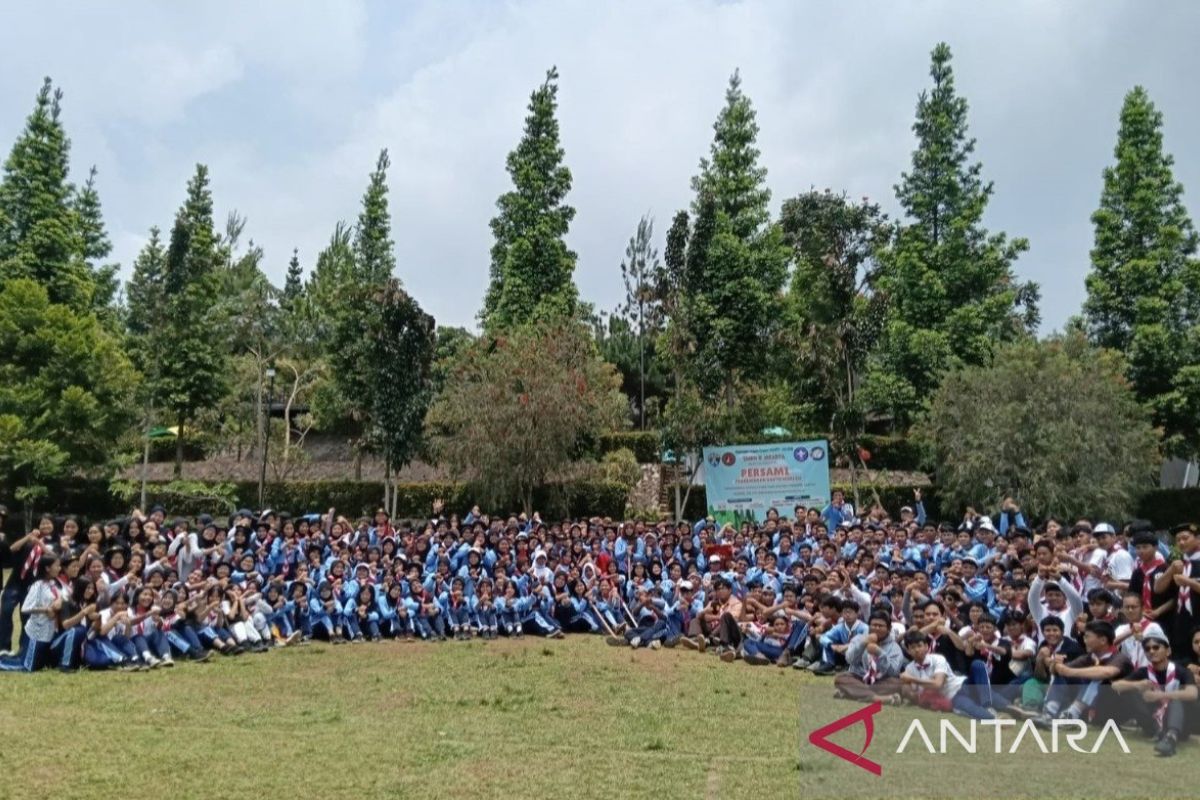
(820, 737)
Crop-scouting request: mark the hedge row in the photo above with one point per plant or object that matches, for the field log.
(92, 500)
(1169, 507)
(645, 445)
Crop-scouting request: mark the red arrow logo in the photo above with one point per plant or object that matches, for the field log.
(820, 737)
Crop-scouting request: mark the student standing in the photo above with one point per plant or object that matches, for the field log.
(40, 607)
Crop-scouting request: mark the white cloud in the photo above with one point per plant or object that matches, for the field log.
(289, 104)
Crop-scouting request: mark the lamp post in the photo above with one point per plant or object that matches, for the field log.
(262, 475)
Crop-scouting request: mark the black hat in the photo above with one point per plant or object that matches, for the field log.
(1144, 537)
(1190, 527)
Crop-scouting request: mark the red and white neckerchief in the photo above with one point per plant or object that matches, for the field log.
(1185, 592)
(1147, 583)
(1169, 685)
(35, 553)
(872, 673)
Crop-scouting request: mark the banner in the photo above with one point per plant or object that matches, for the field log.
(744, 481)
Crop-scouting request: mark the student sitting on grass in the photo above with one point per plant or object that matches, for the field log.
(875, 662)
(1160, 697)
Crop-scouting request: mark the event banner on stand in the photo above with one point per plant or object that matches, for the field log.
(744, 481)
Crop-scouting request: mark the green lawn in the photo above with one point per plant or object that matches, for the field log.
(528, 719)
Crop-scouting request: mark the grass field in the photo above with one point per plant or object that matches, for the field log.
(528, 718)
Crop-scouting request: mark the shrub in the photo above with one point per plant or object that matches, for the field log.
(620, 466)
(645, 445)
(893, 452)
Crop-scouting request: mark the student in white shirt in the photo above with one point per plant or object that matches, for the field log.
(930, 674)
(40, 611)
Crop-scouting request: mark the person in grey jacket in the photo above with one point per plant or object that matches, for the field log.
(875, 661)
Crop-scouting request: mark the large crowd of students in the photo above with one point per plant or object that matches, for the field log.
(983, 617)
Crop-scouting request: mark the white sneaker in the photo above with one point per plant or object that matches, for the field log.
(152, 662)
(654, 645)
(635, 642)
(168, 662)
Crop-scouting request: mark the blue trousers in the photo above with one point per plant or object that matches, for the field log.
(100, 653)
(185, 641)
(756, 647)
(152, 642)
(835, 636)
(460, 617)
(796, 637)
(67, 647)
(33, 656)
(975, 697)
(539, 625)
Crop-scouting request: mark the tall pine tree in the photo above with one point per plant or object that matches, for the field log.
(374, 254)
(951, 291)
(1144, 285)
(192, 374)
(532, 267)
(94, 245)
(293, 284)
(39, 236)
(737, 260)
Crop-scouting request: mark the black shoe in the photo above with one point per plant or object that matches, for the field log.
(1165, 746)
(671, 642)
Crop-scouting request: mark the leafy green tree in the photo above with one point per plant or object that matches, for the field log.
(451, 342)
(39, 233)
(517, 409)
(835, 317)
(641, 309)
(532, 267)
(66, 389)
(333, 274)
(737, 261)
(1144, 286)
(401, 340)
(952, 295)
(192, 372)
(1052, 423)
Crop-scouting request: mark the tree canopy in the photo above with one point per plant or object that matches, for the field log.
(1052, 423)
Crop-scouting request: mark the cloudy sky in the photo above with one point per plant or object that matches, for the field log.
(289, 103)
